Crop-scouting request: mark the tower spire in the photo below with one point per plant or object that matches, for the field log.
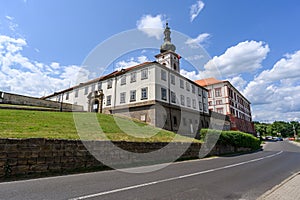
(167, 45)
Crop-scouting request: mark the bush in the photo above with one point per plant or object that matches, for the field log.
(234, 138)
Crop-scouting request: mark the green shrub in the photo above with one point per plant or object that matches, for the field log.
(234, 138)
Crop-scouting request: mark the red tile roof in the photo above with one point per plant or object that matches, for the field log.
(208, 81)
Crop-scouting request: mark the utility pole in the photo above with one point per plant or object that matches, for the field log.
(295, 134)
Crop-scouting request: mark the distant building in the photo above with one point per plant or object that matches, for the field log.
(225, 99)
(154, 92)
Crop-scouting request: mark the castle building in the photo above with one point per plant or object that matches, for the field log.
(225, 99)
(154, 92)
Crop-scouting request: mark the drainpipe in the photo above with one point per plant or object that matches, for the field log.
(169, 100)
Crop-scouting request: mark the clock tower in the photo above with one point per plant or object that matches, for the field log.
(167, 56)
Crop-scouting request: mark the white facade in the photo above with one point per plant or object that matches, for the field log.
(151, 80)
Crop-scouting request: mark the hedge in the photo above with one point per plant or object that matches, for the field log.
(234, 138)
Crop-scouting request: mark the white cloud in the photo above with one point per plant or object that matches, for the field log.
(238, 82)
(196, 9)
(245, 57)
(275, 93)
(19, 74)
(151, 25)
(199, 40)
(9, 17)
(131, 62)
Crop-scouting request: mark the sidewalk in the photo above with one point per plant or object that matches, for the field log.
(287, 190)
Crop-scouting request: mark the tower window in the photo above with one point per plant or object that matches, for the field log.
(174, 66)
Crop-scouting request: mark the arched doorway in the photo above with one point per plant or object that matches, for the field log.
(95, 106)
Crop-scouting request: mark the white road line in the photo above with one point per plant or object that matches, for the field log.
(172, 179)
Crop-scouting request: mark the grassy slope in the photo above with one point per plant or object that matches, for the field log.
(43, 124)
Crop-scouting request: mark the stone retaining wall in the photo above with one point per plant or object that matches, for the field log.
(23, 157)
(15, 99)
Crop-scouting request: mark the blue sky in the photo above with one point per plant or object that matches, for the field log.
(254, 44)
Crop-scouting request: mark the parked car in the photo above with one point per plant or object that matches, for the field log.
(277, 138)
(291, 138)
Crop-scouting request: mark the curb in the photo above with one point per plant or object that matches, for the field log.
(269, 192)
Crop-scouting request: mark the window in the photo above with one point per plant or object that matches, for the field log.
(210, 103)
(132, 95)
(99, 86)
(144, 93)
(144, 74)
(187, 85)
(182, 100)
(76, 92)
(122, 97)
(220, 110)
(181, 84)
(108, 100)
(204, 107)
(194, 103)
(133, 77)
(123, 80)
(86, 90)
(188, 101)
(92, 87)
(209, 93)
(164, 94)
(172, 79)
(218, 92)
(204, 94)
(163, 75)
(173, 97)
(193, 89)
(218, 102)
(199, 92)
(67, 96)
(109, 84)
(200, 106)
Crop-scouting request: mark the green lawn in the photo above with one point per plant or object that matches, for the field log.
(90, 126)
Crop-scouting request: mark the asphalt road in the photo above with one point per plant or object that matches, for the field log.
(236, 177)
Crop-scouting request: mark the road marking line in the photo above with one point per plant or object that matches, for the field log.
(174, 178)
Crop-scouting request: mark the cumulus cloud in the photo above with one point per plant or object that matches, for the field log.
(199, 40)
(151, 25)
(131, 62)
(238, 82)
(195, 9)
(277, 90)
(245, 57)
(19, 74)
